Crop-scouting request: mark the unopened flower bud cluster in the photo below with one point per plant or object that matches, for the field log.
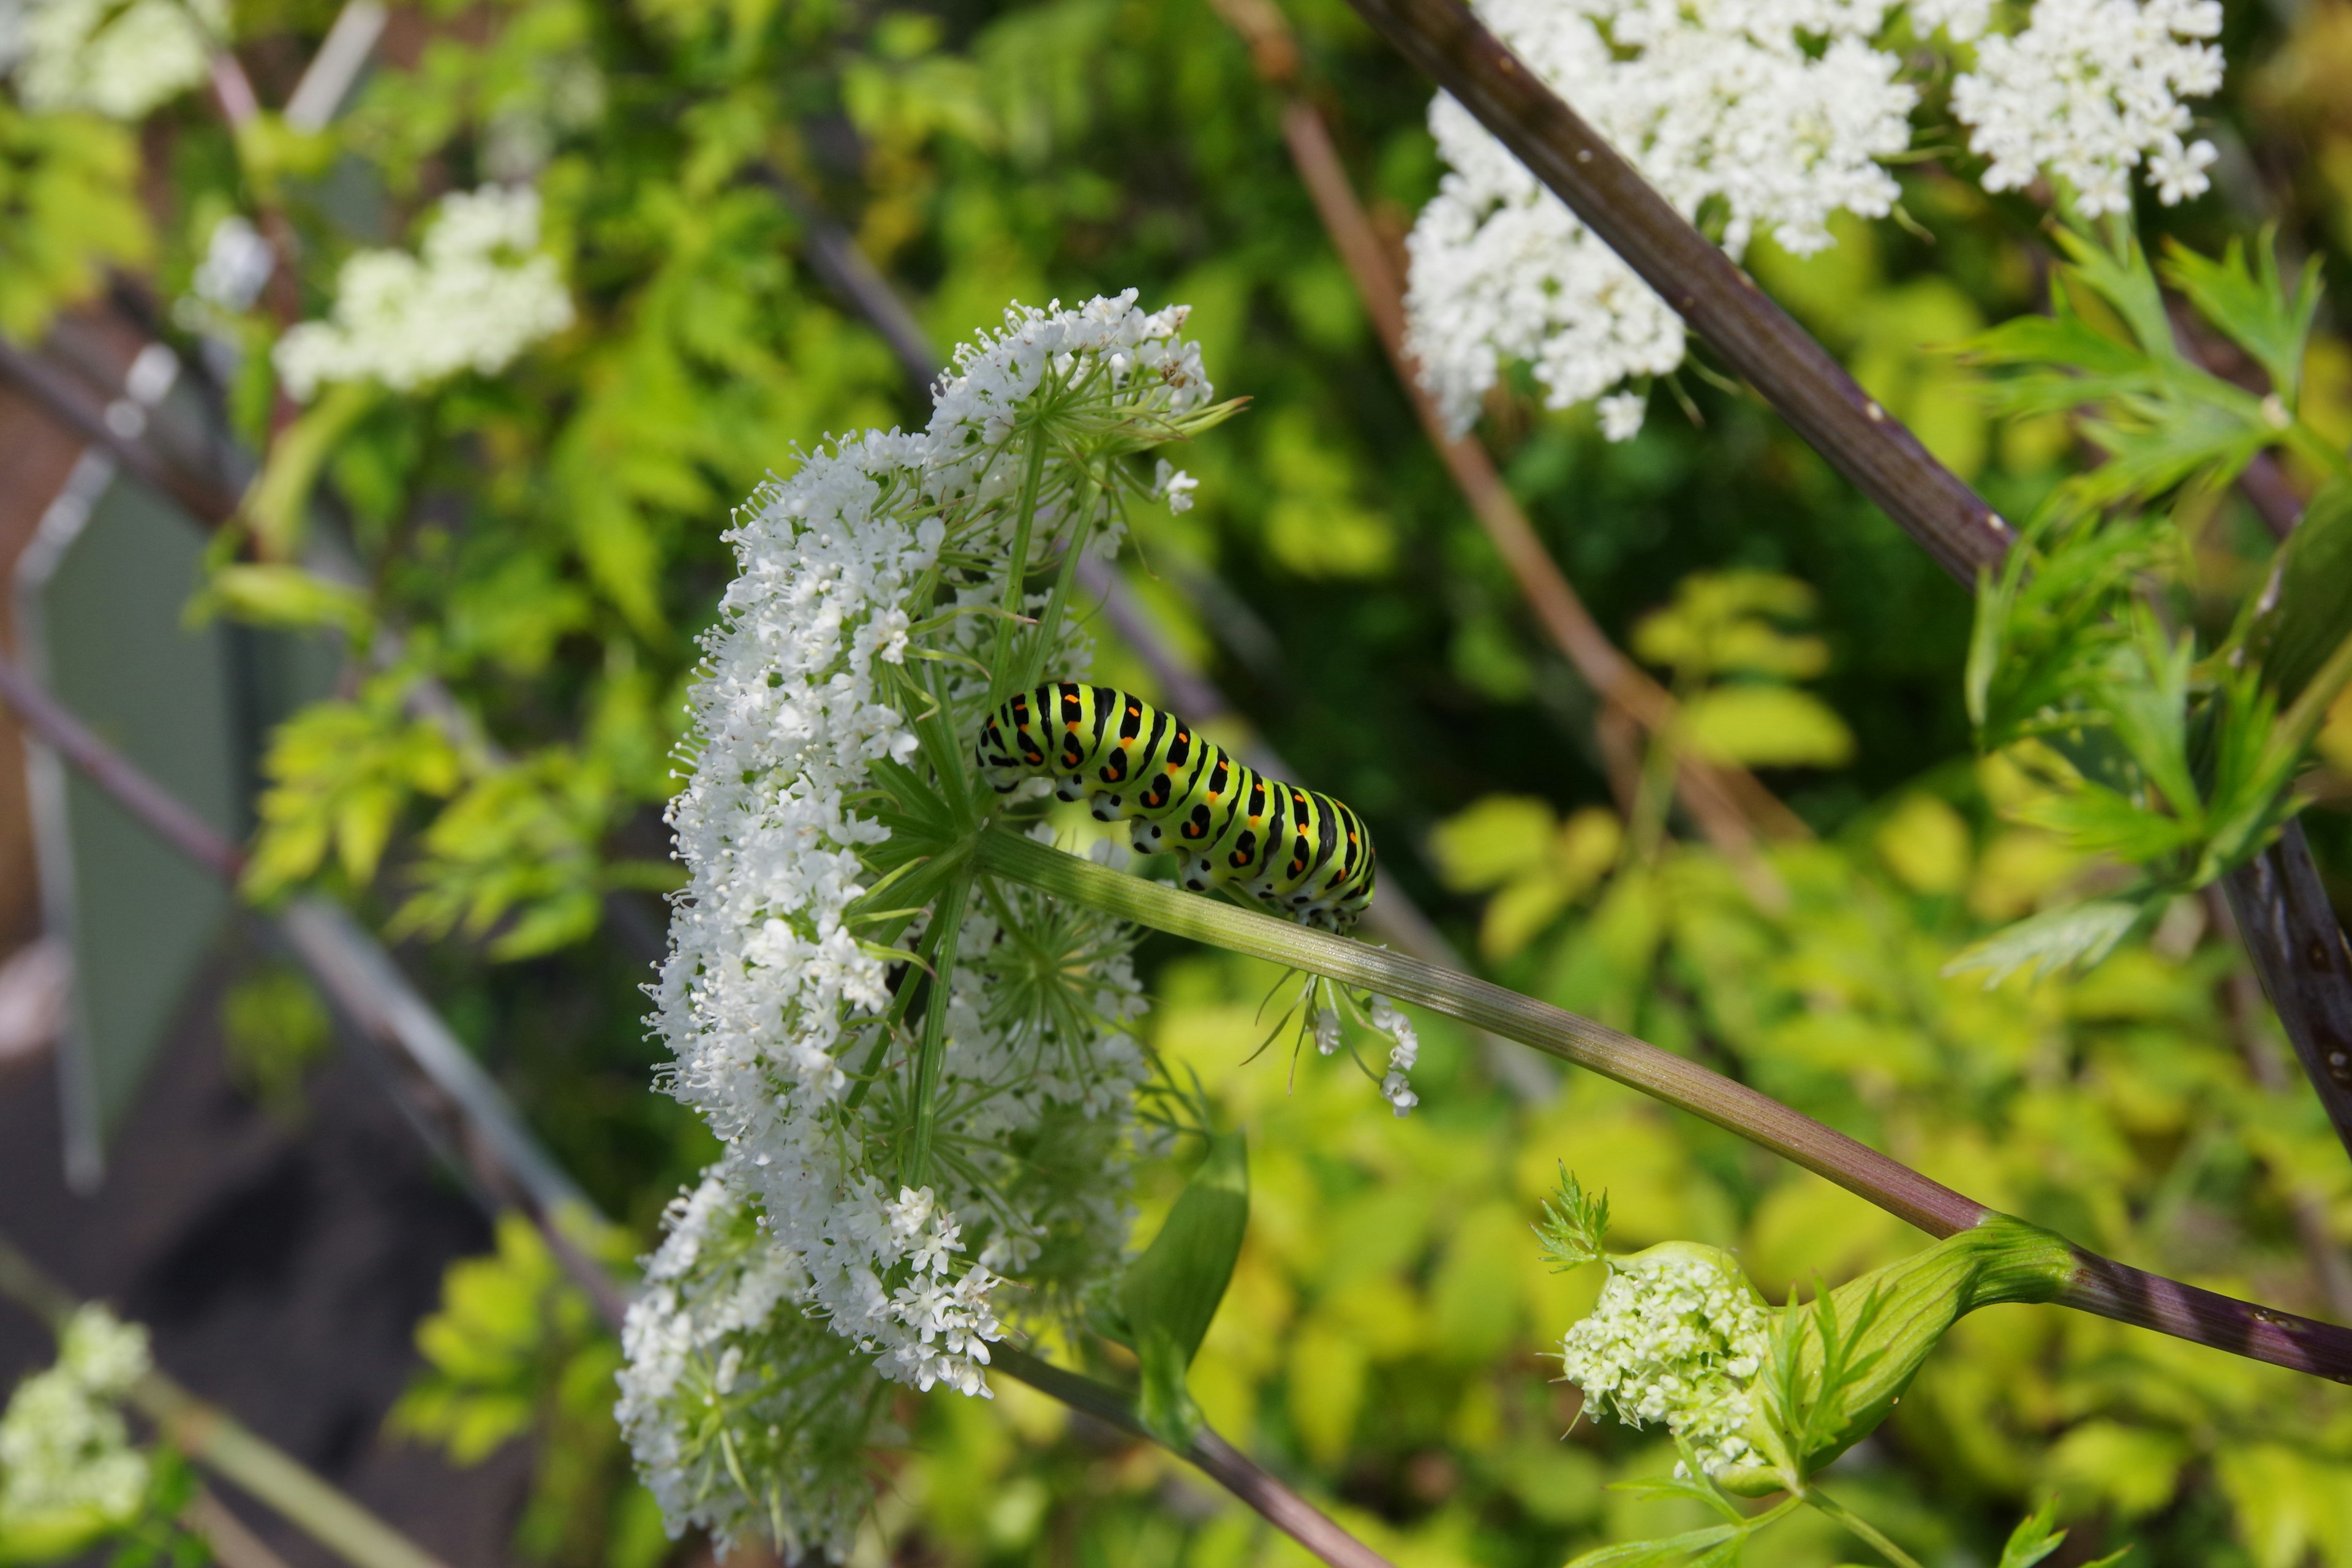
(65, 1450)
(880, 550)
(1765, 116)
(1677, 1337)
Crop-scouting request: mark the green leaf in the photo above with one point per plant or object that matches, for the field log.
(269, 594)
(1493, 841)
(1718, 1543)
(1171, 1293)
(1766, 726)
(2034, 1538)
(2119, 273)
(2250, 304)
(70, 209)
(279, 505)
(1575, 1228)
(2311, 611)
(2079, 935)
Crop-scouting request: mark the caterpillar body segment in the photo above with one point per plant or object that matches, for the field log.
(1301, 852)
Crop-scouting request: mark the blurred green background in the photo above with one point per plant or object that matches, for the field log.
(548, 544)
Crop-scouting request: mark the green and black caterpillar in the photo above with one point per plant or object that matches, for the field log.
(1301, 852)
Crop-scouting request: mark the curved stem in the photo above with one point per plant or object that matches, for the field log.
(1678, 1081)
(2099, 1286)
(1860, 1527)
(916, 1169)
(1032, 478)
(1220, 1461)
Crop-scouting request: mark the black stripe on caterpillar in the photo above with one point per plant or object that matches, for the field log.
(1304, 855)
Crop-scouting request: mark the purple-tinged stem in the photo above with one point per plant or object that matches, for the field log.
(2100, 1285)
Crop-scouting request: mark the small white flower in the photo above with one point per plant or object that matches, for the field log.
(1620, 414)
(1327, 1030)
(480, 293)
(1174, 485)
(1404, 1050)
(238, 262)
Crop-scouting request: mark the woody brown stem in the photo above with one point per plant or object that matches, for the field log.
(2292, 936)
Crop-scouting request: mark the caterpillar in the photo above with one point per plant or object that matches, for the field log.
(1303, 854)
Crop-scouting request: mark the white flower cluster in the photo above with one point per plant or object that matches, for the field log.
(121, 60)
(481, 293)
(719, 1341)
(1772, 112)
(2087, 90)
(1761, 116)
(866, 596)
(1677, 1336)
(65, 1451)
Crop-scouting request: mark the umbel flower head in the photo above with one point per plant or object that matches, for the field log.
(68, 1471)
(1677, 1336)
(923, 1080)
(1765, 116)
(1760, 1397)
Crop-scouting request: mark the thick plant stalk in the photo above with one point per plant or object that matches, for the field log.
(1758, 340)
(2304, 962)
(2100, 1285)
(218, 1441)
(2296, 944)
(2331, 1268)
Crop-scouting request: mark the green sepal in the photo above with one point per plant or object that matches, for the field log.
(1839, 1364)
(1171, 1293)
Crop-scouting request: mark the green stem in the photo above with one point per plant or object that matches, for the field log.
(1855, 1166)
(915, 1168)
(215, 1440)
(1220, 1461)
(1000, 664)
(2099, 1285)
(1049, 626)
(1861, 1527)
